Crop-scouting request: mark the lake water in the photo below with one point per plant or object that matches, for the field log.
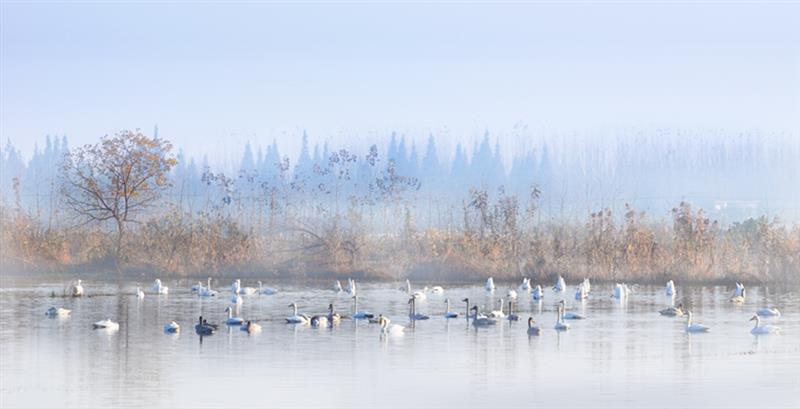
(622, 355)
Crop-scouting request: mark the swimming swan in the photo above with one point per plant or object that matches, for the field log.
(297, 318)
(204, 328)
(412, 312)
(673, 311)
(172, 328)
(533, 330)
(106, 324)
(560, 324)
(53, 312)
(447, 312)
(76, 290)
(207, 291)
(763, 329)
(360, 315)
(538, 294)
(266, 290)
(158, 288)
(560, 285)
(690, 327)
(511, 316)
(768, 312)
(394, 330)
(569, 315)
(418, 295)
(231, 319)
(498, 313)
(479, 320)
(670, 288)
(489, 284)
(526, 284)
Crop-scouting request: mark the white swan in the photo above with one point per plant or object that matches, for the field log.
(532, 330)
(738, 294)
(569, 315)
(351, 286)
(447, 312)
(197, 287)
(670, 288)
(250, 327)
(139, 293)
(231, 319)
(479, 320)
(560, 285)
(337, 287)
(581, 293)
(537, 294)
(560, 324)
(763, 329)
(673, 311)
(512, 294)
(237, 300)
(587, 285)
(297, 318)
(319, 321)
(158, 288)
(418, 295)
(106, 324)
(621, 291)
(768, 312)
(394, 330)
(360, 315)
(489, 284)
(690, 327)
(172, 328)
(498, 313)
(412, 313)
(76, 289)
(53, 312)
(526, 284)
(207, 291)
(266, 290)
(238, 289)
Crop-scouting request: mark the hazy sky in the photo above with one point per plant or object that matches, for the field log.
(212, 75)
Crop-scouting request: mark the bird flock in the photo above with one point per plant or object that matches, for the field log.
(472, 312)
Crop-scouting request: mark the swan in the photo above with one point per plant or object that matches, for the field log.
(236, 286)
(560, 324)
(207, 291)
(266, 290)
(418, 295)
(139, 293)
(587, 285)
(763, 329)
(670, 288)
(695, 327)
(532, 330)
(489, 284)
(673, 311)
(319, 321)
(569, 315)
(621, 291)
(172, 328)
(738, 294)
(159, 288)
(204, 328)
(511, 315)
(297, 318)
(526, 284)
(479, 320)
(512, 294)
(246, 290)
(560, 285)
(337, 287)
(197, 287)
(231, 319)
(412, 313)
(76, 290)
(438, 290)
(768, 312)
(360, 315)
(498, 313)
(106, 324)
(333, 317)
(53, 312)
(237, 300)
(251, 327)
(447, 312)
(580, 292)
(351, 286)
(467, 314)
(538, 294)
(393, 330)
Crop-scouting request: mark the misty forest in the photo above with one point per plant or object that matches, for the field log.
(610, 210)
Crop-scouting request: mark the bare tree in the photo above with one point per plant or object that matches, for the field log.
(116, 179)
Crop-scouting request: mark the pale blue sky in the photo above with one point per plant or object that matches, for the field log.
(208, 72)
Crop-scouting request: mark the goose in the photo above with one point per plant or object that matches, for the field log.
(694, 327)
(412, 312)
(581, 293)
(763, 329)
(479, 320)
(106, 324)
(297, 318)
(418, 295)
(207, 291)
(337, 287)
(53, 312)
(526, 284)
(560, 324)
(621, 291)
(251, 327)
(393, 330)
(204, 328)
(360, 315)
(768, 312)
(76, 289)
(498, 313)
(447, 312)
(533, 330)
(197, 287)
(569, 315)
(172, 328)
(670, 288)
(437, 290)
(237, 300)
(738, 294)
(512, 294)
(489, 284)
(333, 317)
(139, 293)
(538, 294)
(511, 315)
(159, 288)
(231, 319)
(673, 311)
(560, 285)
(266, 290)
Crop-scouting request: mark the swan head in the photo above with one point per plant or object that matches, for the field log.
(292, 305)
(447, 301)
(228, 309)
(530, 322)
(754, 318)
(465, 300)
(330, 307)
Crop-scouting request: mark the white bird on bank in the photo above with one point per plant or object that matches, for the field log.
(297, 318)
(768, 312)
(690, 327)
(537, 294)
(106, 324)
(172, 328)
(53, 312)
(560, 285)
(266, 290)
(231, 319)
(670, 288)
(76, 289)
(489, 284)
(763, 329)
(159, 288)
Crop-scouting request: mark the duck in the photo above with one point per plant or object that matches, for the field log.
(394, 330)
(412, 313)
(337, 287)
(250, 327)
(172, 328)
(560, 324)
(690, 327)
(498, 313)
(158, 288)
(204, 328)
(670, 288)
(560, 285)
(581, 293)
(360, 315)
(738, 294)
(533, 330)
(76, 290)
(511, 294)
(266, 290)
(53, 312)
(768, 312)
(106, 324)
(673, 311)
(139, 293)
(489, 285)
(511, 316)
(297, 318)
(207, 291)
(569, 315)
(763, 329)
(479, 320)
(537, 294)
(418, 295)
(447, 312)
(526, 284)
(231, 319)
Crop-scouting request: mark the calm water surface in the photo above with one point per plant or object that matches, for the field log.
(624, 354)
